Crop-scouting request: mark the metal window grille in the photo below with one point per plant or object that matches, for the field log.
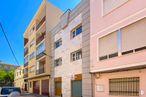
(124, 86)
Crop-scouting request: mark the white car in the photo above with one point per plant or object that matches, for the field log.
(6, 91)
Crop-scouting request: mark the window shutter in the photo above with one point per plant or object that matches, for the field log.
(134, 36)
(108, 44)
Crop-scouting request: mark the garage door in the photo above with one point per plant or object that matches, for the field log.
(76, 88)
(45, 87)
(36, 89)
(58, 90)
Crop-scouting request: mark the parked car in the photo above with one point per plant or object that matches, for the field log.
(6, 91)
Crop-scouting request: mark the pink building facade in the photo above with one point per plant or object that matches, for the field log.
(118, 47)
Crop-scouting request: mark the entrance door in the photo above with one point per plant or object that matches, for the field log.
(25, 87)
(58, 91)
(45, 87)
(36, 89)
(76, 88)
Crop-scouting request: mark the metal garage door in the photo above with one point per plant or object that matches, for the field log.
(45, 87)
(76, 88)
(36, 89)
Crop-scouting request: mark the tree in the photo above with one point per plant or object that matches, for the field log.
(9, 77)
(6, 77)
(2, 75)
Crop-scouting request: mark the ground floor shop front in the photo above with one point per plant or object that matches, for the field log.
(39, 86)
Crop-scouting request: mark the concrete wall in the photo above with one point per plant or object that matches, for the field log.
(87, 79)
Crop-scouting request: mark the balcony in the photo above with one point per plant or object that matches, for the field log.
(41, 68)
(41, 22)
(25, 51)
(40, 38)
(40, 71)
(26, 64)
(25, 75)
(40, 55)
(25, 41)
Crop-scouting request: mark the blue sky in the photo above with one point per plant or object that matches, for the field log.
(15, 15)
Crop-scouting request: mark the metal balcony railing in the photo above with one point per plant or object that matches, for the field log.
(25, 52)
(25, 75)
(26, 64)
(25, 41)
(40, 71)
(39, 39)
(41, 22)
(40, 55)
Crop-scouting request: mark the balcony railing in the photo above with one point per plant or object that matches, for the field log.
(39, 39)
(40, 55)
(26, 64)
(25, 52)
(41, 22)
(25, 75)
(25, 41)
(40, 71)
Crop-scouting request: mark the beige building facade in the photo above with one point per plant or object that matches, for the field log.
(18, 77)
(37, 54)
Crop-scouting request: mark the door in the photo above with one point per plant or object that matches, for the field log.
(36, 89)
(25, 87)
(58, 90)
(45, 87)
(76, 88)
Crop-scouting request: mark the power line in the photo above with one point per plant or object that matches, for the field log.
(9, 44)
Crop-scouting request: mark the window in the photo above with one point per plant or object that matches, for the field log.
(77, 55)
(25, 60)
(58, 43)
(30, 84)
(76, 31)
(20, 72)
(40, 48)
(108, 46)
(58, 62)
(133, 37)
(31, 56)
(32, 43)
(25, 51)
(124, 86)
(33, 28)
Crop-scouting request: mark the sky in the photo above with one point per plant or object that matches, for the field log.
(15, 16)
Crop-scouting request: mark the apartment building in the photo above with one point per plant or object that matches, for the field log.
(37, 46)
(67, 47)
(70, 69)
(18, 77)
(118, 47)
(6, 66)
